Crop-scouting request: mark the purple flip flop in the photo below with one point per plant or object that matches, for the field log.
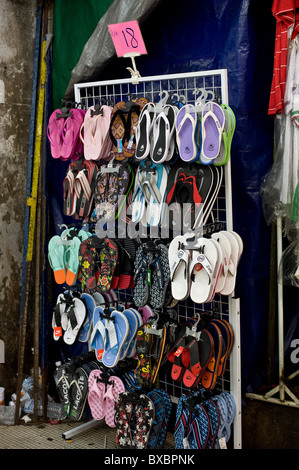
(186, 131)
(212, 124)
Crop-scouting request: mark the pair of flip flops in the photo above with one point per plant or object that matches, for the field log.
(197, 424)
(202, 267)
(152, 275)
(113, 335)
(72, 387)
(79, 189)
(98, 259)
(149, 194)
(150, 349)
(68, 317)
(114, 182)
(190, 357)
(123, 124)
(63, 131)
(63, 252)
(94, 132)
(203, 423)
(195, 268)
(155, 133)
(102, 392)
(222, 335)
(134, 418)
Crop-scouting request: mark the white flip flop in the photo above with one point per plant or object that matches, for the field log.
(179, 259)
(202, 270)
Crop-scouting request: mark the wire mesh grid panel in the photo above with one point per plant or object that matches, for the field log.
(187, 88)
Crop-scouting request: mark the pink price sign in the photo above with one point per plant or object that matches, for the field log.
(127, 38)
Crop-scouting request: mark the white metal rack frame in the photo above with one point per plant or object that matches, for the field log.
(186, 85)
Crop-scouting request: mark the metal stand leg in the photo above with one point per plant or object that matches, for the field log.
(281, 388)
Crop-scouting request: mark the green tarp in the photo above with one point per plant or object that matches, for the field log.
(74, 23)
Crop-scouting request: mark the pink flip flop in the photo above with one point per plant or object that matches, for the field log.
(114, 388)
(71, 133)
(96, 393)
(55, 132)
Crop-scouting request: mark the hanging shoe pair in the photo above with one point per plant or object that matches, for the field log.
(155, 133)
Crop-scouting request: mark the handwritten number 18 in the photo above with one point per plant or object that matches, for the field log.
(130, 32)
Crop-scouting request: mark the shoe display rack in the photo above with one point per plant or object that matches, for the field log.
(187, 87)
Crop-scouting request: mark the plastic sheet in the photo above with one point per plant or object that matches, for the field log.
(99, 49)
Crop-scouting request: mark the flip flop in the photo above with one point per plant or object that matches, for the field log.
(86, 329)
(87, 260)
(98, 339)
(56, 250)
(160, 277)
(96, 391)
(202, 270)
(138, 200)
(130, 341)
(231, 410)
(117, 328)
(114, 387)
(179, 259)
(214, 419)
(142, 277)
(210, 374)
(222, 410)
(227, 136)
(85, 184)
(70, 133)
(54, 132)
(154, 186)
(182, 423)
(108, 261)
(230, 280)
(199, 429)
(163, 130)
(76, 316)
(228, 340)
(71, 261)
(144, 342)
(144, 131)
(179, 356)
(186, 130)
(117, 130)
(212, 128)
(200, 352)
(95, 128)
(145, 414)
(226, 250)
(78, 393)
(64, 381)
(123, 415)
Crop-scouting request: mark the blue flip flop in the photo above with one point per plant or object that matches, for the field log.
(130, 341)
(98, 338)
(85, 331)
(117, 328)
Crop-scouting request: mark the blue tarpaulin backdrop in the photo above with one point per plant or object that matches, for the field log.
(237, 35)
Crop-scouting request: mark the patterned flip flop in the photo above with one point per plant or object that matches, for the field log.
(108, 262)
(122, 419)
(144, 343)
(145, 414)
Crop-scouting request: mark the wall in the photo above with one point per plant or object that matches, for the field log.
(17, 36)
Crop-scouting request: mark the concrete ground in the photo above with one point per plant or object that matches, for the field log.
(270, 426)
(265, 426)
